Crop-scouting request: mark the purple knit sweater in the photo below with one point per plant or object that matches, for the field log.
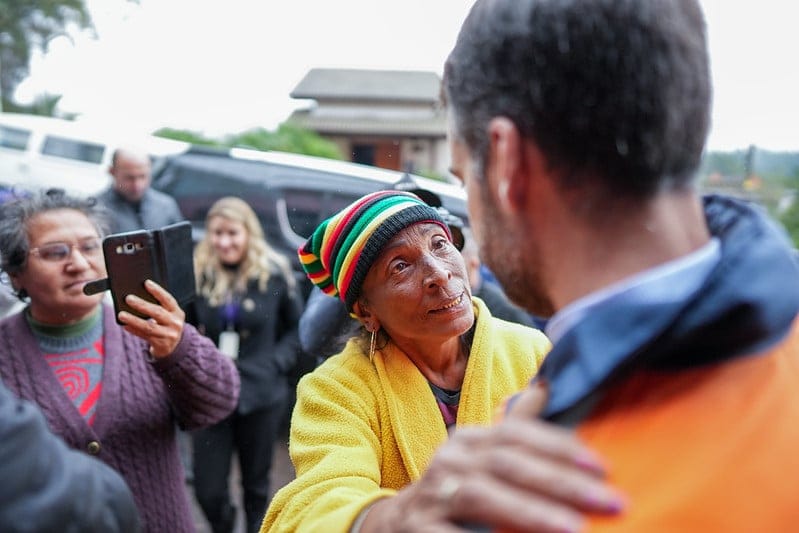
(137, 411)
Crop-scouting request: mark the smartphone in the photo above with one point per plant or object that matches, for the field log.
(130, 259)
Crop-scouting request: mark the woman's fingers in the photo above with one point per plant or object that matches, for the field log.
(162, 296)
(536, 456)
(529, 403)
(485, 504)
(165, 311)
(164, 327)
(554, 478)
(522, 474)
(533, 439)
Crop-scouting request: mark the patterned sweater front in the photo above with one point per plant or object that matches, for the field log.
(142, 402)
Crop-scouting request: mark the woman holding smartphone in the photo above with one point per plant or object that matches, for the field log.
(248, 303)
(117, 392)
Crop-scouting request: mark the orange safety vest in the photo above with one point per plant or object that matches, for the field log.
(712, 448)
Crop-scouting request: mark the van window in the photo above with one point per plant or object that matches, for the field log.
(14, 138)
(71, 149)
(303, 209)
(308, 208)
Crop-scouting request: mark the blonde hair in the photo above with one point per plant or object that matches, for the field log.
(260, 261)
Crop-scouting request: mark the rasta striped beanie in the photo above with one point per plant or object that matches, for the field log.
(341, 250)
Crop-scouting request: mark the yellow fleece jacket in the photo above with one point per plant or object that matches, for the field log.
(361, 431)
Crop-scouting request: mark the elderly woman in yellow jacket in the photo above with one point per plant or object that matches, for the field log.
(429, 358)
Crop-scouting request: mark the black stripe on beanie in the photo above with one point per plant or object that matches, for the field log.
(378, 240)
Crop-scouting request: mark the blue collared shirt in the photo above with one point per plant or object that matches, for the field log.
(668, 282)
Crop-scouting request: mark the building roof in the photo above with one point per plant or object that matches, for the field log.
(361, 85)
(433, 126)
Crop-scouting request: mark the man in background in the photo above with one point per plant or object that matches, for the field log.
(131, 202)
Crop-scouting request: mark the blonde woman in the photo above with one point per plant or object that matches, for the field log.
(249, 305)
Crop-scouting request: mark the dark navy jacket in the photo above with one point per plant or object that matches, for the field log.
(48, 487)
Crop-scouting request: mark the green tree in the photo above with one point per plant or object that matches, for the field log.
(192, 137)
(790, 219)
(28, 25)
(44, 105)
(725, 163)
(287, 138)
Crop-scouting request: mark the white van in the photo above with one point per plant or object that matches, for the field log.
(42, 152)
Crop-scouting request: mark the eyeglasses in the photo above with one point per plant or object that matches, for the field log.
(61, 251)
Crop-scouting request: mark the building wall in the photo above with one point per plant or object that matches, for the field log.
(385, 118)
(425, 155)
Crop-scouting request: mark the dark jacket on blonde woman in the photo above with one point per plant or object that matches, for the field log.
(249, 305)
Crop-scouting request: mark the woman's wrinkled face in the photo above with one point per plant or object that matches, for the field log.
(418, 288)
(228, 239)
(65, 253)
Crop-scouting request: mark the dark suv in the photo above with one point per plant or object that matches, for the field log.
(291, 194)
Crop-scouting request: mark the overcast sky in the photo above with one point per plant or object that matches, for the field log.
(222, 66)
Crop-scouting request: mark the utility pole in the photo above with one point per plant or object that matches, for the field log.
(749, 162)
(3, 45)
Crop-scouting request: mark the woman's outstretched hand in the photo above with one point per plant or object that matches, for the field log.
(522, 474)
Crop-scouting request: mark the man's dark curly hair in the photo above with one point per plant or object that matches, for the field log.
(616, 90)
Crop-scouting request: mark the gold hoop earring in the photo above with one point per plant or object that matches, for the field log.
(372, 346)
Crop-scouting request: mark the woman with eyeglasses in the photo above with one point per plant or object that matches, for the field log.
(115, 392)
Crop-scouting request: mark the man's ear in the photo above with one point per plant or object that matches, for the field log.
(506, 165)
